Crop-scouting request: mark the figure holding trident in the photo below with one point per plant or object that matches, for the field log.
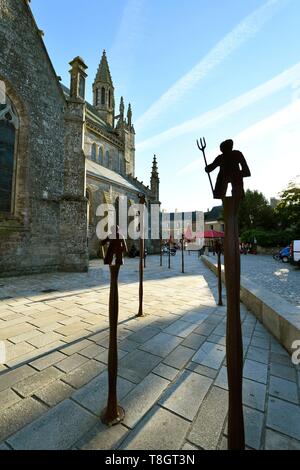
(113, 414)
(233, 168)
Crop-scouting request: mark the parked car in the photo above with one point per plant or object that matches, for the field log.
(295, 252)
(283, 255)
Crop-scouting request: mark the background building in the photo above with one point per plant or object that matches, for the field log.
(173, 222)
(213, 219)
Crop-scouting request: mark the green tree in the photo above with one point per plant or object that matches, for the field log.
(288, 208)
(255, 212)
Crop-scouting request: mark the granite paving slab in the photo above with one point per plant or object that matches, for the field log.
(57, 429)
(186, 394)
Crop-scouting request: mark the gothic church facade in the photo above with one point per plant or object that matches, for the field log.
(60, 157)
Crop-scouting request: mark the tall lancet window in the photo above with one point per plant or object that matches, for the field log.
(103, 95)
(100, 155)
(9, 125)
(93, 152)
(107, 159)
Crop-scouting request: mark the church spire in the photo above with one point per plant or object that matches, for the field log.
(103, 90)
(129, 116)
(154, 180)
(103, 72)
(122, 108)
(154, 167)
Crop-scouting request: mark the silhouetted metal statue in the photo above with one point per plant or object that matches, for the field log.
(113, 414)
(142, 201)
(233, 168)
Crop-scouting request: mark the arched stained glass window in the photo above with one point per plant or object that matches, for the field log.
(9, 124)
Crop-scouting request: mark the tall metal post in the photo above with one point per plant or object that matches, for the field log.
(113, 413)
(142, 256)
(218, 247)
(234, 344)
(161, 251)
(182, 253)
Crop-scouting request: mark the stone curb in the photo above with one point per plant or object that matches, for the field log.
(280, 317)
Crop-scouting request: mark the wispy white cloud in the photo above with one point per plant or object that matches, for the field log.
(123, 50)
(284, 79)
(247, 28)
(268, 144)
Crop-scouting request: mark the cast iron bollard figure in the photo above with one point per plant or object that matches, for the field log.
(219, 249)
(142, 201)
(233, 168)
(113, 414)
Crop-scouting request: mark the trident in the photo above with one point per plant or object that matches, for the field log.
(202, 147)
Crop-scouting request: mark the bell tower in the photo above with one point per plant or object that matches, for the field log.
(103, 92)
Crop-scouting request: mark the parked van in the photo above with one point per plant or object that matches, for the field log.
(295, 252)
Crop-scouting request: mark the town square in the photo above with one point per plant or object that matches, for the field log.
(149, 229)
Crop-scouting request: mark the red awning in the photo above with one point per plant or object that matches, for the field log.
(210, 234)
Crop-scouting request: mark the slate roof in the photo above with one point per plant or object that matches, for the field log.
(94, 169)
(214, 214)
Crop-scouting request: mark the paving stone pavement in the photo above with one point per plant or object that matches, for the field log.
(276, 276)
(172, 377)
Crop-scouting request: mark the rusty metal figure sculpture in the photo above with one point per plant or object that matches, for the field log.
(142, 201)
(113, 414)
(233, 168)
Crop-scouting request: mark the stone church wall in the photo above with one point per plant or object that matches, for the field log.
(36, 236)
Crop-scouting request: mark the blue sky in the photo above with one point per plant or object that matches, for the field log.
(214, 68)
